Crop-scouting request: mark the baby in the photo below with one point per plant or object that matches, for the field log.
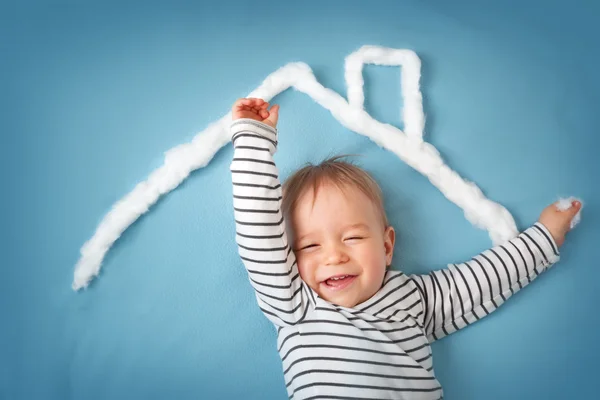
(348, 327)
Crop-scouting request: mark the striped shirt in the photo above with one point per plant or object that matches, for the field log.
(378, 349)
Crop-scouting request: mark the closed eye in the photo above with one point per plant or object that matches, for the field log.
(309, 246)
(355, 238)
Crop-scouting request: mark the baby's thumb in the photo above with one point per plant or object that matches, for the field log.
(273, 115)
(576, 206)
(571, 207)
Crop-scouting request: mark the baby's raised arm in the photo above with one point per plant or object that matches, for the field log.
(260, 228)
(464, 293)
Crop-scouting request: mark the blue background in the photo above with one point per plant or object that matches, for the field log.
(92, 95)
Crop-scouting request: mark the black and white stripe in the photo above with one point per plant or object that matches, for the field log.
(380, 348)
(464, 293)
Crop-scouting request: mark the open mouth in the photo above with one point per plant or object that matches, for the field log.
(338, 282)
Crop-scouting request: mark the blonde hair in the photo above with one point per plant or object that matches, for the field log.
(342, 174)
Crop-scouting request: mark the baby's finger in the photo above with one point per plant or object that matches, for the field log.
(255, 102)
(264, 114)
(238, 103)
(571, 209)
(259, 104)
(273, 115)
(258, 108)
(574, 215)
(243, 104)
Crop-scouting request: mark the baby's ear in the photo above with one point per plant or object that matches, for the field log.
(389, 238)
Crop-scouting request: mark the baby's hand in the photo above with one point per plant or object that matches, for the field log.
(559, 222)
(256, 109)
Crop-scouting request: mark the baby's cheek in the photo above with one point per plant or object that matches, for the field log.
(306, 271)
(377, 268)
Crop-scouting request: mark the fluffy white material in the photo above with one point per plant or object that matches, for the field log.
(564, 204)
(408, 145)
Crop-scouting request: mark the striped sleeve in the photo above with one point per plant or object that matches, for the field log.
(260, 228)
(464, 293)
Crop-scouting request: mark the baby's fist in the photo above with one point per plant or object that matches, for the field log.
(559, 222)
(256, 109)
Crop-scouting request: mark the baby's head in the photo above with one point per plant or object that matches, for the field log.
(339, 230)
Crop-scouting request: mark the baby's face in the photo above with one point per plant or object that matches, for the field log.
(341, 244)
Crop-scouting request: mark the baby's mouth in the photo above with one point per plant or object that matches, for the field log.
(338, 282)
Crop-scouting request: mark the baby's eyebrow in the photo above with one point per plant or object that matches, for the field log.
(301, 238)
(358, 226)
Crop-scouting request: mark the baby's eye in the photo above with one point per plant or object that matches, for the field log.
(308, 246)
(355, 238)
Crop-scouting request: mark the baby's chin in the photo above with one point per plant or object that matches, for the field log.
(348, 297)
(347, 300)
(341, 302)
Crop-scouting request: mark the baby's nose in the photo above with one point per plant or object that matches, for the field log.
(336, 255)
